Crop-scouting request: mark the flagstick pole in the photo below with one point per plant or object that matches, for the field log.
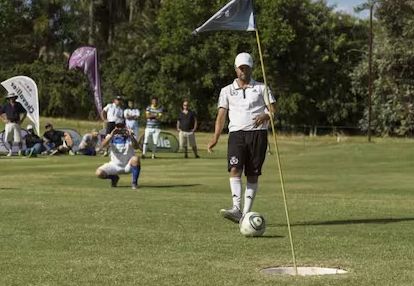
(277, 153)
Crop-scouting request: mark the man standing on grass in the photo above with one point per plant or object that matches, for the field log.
(122, 144)
(245, 101)
(111, 113)
(12, 114)
(186, 126)
(131, 115)
(153, 113)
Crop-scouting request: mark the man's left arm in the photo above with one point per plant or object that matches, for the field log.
(264, 117)
(195, 124)
(160, 113)
(24, 112)
(23, 117)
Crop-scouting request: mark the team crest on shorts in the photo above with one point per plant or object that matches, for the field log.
(234, 160)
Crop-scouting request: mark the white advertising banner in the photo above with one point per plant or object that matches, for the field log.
(26, 90)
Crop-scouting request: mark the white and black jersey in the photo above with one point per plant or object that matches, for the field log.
(244, 105)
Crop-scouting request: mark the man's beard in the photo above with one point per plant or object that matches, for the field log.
(244, 77)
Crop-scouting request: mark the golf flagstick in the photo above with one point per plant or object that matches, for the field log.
(282, 183)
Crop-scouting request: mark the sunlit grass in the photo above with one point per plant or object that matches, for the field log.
(351, 206)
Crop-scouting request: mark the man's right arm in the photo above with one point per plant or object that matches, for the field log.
(104, 115)
(219, 125)
(3, 115)
(4, 118)
(107, 139)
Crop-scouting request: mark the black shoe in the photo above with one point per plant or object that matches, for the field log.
(114, 181)
(197, 156)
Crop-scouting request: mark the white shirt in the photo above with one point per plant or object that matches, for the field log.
(121, 150)
(131, 112)
(113, 112)
(244, 105)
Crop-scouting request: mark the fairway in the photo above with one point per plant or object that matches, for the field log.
(351, 206)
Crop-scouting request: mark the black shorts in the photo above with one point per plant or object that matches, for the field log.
(247, 150)
(109, 127)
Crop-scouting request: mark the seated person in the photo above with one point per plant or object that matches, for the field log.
(34, 144)
(57, 141)
(89, 144)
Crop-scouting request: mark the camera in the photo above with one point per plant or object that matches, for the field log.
(121, 131)
(120, 125)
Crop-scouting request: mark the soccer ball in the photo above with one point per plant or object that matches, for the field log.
(252, 224)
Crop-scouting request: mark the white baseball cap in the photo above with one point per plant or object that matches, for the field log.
(11, 95)
(29, 127)
(243, 59)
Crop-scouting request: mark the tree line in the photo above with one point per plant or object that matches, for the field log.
(316, 58)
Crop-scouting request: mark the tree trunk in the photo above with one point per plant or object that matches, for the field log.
(91, 22)
(131, 10)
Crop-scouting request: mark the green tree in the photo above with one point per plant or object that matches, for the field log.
(393, 93)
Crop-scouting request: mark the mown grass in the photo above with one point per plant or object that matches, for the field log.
(351, 206)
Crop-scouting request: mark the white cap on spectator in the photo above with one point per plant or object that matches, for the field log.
(29, 127)
(11, 95)
(243, 59)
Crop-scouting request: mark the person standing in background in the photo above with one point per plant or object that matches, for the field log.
(131, 115)
(153, 113)
(13, 114)
(112, 113)
(186, 126)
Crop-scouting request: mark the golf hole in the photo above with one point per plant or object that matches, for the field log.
(302, 271)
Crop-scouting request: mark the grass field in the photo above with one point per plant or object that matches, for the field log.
(351, 206)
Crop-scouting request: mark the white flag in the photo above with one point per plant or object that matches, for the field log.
(26, 90)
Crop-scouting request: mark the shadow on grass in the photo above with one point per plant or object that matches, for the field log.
(9, 188)
(184, 159)
(163, 186)
(269, 236)
(351, 221)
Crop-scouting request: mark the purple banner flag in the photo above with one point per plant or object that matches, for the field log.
(86, 59)
(235, 15)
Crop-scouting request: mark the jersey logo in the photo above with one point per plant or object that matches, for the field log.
(119, 140)
(234, 160)
(233, 92)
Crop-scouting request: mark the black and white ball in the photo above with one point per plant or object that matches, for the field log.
(252, 224)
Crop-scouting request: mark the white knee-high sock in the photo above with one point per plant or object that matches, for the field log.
(249, 195)
(144, 149)
(236, 188)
